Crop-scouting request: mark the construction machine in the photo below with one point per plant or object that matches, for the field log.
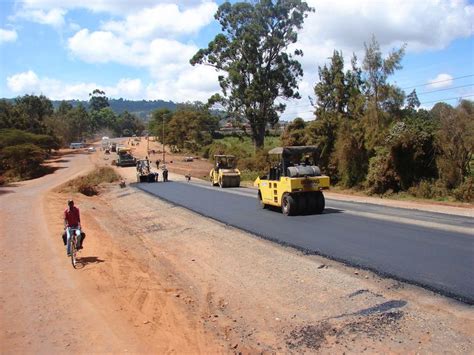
(125, 157)
(225, 173)
(294, 182)
(144, 173)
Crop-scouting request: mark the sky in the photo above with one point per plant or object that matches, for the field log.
(140, 49)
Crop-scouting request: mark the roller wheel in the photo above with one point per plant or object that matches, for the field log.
(288, 205)
(320, 202)
(260, 201)
(312, 203)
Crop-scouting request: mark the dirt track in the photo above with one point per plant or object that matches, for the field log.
(158, 278)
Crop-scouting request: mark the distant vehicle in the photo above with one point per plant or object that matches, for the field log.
(91, 149)
(105, 142)
(125, 158)
(76, 145)
(188, 159)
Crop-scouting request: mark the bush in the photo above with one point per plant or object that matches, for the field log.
(88, 184)
(429, 189)
(465, 191)
(23, 160)
(382, 175)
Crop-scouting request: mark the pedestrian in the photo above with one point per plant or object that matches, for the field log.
(165, 174)
(158, 164)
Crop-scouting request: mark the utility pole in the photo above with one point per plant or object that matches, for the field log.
(163, 139)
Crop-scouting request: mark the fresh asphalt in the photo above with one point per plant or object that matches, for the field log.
(432, 250)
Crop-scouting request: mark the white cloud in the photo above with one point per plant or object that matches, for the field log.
(7, 35)
(163, 19)
(193, 83)
(106, 6)
(26, 82)
(346, 24)
(53, 17)
(29, 83)
(441, 81)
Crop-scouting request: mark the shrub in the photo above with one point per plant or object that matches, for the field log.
(465, 191)
(88, 184)
(382, 175)
(23, 160)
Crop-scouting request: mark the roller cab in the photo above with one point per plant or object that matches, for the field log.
(294, 182)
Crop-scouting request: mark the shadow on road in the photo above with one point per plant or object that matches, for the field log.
(89, 260)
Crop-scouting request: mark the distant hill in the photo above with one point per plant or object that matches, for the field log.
(142, 109)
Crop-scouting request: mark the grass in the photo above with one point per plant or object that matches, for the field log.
(88, 184)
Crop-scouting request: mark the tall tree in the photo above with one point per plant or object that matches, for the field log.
(98, 100)
(412, 100)
(253, 57)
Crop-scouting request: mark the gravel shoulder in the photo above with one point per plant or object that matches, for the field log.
(245, 294)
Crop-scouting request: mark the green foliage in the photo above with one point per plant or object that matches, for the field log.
(23, 160)
(455, 138)
(189, 128)
(465, 191)
(350, 156)
(252, 51)
(295, 133)
(12, 137)
(412, 150)
(128, 125)
(98, 100)
(381, 176)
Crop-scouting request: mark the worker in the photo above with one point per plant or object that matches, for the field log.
(165, 174)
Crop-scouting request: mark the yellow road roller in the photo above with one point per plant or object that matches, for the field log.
(294, 182)
(225, 173)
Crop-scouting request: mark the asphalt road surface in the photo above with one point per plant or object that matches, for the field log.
(432, 250)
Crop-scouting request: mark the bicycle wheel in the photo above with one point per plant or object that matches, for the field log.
(73, 250)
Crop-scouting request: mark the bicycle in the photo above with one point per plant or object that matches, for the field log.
(74, 233)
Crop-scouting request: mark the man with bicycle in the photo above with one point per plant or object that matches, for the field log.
(72, 219)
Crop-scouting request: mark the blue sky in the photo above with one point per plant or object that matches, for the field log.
(141, 49)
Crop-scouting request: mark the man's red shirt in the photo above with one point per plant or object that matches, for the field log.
(71, 215)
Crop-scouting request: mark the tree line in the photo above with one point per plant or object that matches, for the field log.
(30, 128)
(368, 131)
(370, 135)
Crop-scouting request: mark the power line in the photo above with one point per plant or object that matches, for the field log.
(438, 81)
(451, 98)
(445, 89)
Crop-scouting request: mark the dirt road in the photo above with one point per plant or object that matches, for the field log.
(47, 307)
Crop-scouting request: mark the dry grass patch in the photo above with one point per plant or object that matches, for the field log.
(89, 184)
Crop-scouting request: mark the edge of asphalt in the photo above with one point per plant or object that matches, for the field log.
(440, 291)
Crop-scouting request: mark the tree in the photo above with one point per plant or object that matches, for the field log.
(253, 58)
(31, 111)
(158, 122)
(98, 100)
(190, 128)
(384, 100)
(295, 133)
(339, 100)
(412, 100)
(456, 141)
(129, 124)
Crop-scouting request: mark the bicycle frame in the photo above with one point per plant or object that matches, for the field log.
(72, 237)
